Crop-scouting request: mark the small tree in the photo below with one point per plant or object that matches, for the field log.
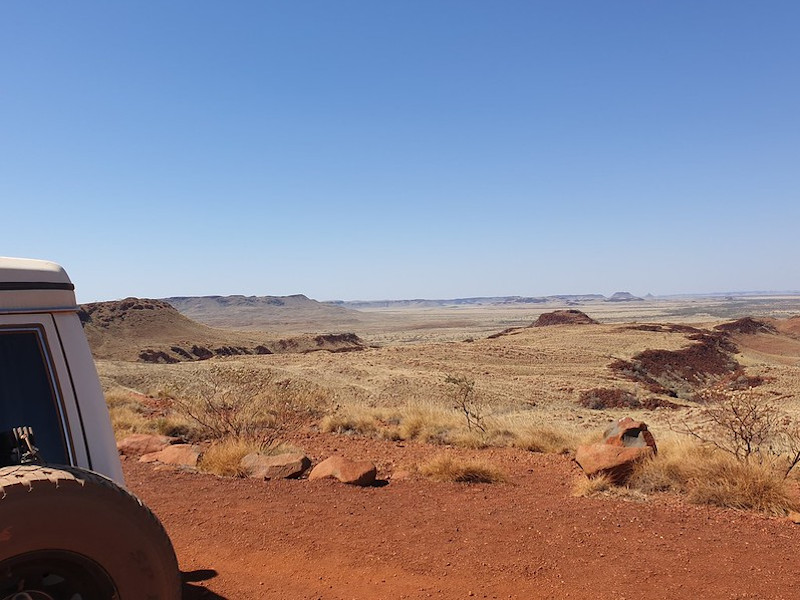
(467, 401)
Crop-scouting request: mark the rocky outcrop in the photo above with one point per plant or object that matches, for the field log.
(624, 444)
(281, 466)
(681, 373)
(138, 444)
(181, 455)
(747, 326)
(354, 472)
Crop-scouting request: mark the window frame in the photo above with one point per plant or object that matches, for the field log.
(62, 394)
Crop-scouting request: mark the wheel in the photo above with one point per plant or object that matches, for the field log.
(70, 534)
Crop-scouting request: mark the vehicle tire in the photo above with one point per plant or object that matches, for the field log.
(71, 534)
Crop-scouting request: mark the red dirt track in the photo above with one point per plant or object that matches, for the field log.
(417, 539)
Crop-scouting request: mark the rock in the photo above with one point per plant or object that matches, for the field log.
(402, 475)
(142, 443)
(794, 517)
(615, 461)
(629, 434)
(184, 455)
(354, 472)
(281, 466)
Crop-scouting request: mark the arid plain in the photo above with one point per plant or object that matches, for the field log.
(385, 383)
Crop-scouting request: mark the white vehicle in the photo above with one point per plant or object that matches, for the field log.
(68, 528)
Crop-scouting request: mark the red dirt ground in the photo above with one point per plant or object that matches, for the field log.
(528, 538)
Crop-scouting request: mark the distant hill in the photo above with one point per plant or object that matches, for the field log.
(624, 297)
(140, 329)
(477, 301)
(265, 313)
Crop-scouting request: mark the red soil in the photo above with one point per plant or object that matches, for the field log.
(528, 538)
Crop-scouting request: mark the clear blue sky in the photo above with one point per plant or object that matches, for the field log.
(415, 148)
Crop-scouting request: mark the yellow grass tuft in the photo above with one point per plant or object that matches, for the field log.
(223, 457)
(350, 422)
(448, 469)
(586, 487)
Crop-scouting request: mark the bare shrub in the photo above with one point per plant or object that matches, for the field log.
(242, 402)
(467, 402)
(448, 469)
(748, 426)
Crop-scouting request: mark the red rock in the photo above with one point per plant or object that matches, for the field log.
(402, 475)
(184, 455)
(628, 433)
(141, 443)
(354, 472)
(615, 461)
(281, 466)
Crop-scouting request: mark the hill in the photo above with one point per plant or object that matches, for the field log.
(141, 329)
(265, 313)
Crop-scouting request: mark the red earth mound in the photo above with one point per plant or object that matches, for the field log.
(564, 317)
(747, 326)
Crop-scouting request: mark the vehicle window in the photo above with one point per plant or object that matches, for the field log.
(28, 393)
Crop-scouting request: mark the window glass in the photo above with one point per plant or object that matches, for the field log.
(27, 392)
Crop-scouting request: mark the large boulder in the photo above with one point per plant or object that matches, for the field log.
(182, 455)
(629, 434)
(624, 444)
(142, 443)
(354, 472)
(616, 462)
(281, 466)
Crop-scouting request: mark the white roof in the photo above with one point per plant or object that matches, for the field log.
(27, 285)
(31, 270)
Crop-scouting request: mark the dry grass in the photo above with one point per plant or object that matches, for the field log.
(129, 415)
(602, 487)
(546, 439)
(427, 423)
(708, 476)
(223, 457)
(586, 487)
(449, 469)
(350, 423)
